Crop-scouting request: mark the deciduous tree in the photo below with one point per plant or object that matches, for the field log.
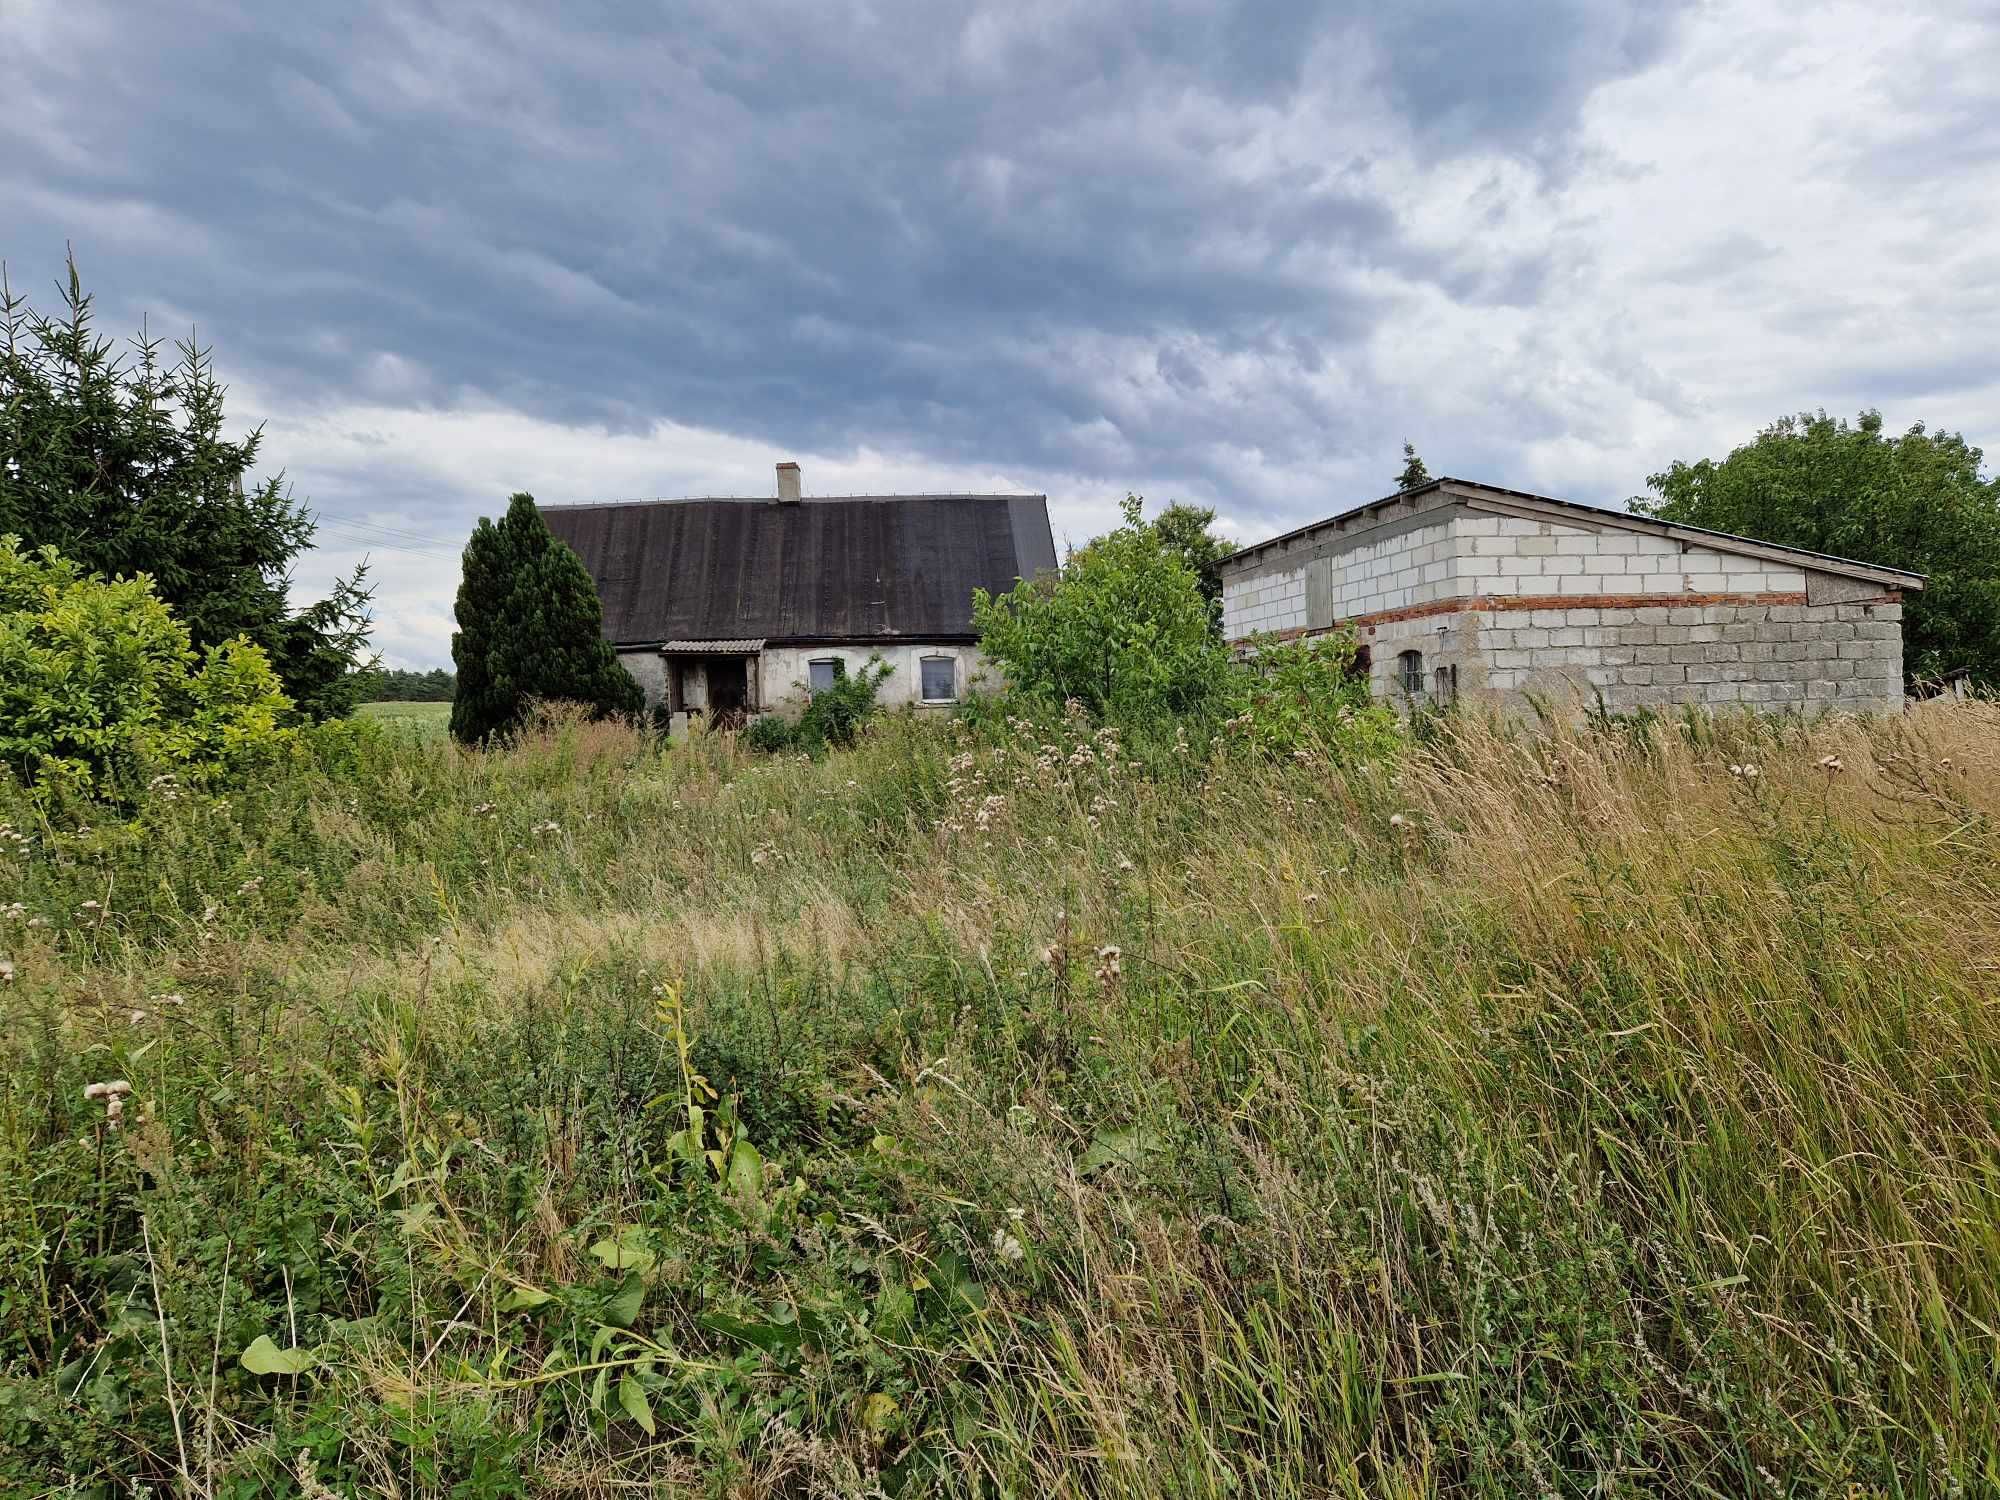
(1916, 501)
(1124, 629)
(1186, 529)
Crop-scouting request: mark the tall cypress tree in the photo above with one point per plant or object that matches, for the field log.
(530, 626)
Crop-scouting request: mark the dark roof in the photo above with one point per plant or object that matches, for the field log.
(1721, 541)
(847, 568)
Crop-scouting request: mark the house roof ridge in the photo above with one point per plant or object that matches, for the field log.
(802, 500)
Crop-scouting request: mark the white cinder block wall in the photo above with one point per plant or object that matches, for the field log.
(1506, 555)
(1526, 607)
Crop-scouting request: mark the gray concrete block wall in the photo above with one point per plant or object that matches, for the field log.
(1414, 567)
(1265, 602)
(1505, 555)
(1846, 656)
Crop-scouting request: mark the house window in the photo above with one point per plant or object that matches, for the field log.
(940, 678)
(821, 675)
(1410, 672)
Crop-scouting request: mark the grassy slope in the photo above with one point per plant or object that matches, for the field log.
(1539, 1118)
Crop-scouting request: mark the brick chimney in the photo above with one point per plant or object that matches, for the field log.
(788, 484)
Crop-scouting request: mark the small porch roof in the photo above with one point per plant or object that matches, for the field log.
(747, 646)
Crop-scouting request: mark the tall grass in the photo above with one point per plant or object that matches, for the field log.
(991, 1110)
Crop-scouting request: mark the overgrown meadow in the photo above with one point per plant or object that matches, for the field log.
(1001, 1109)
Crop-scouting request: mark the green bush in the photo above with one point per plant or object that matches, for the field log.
(834, 715)
(1124, 631)
(98, 681)
(771, 733)
(1307, 695)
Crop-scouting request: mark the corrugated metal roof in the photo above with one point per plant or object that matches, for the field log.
(749, 647)
(856, 568)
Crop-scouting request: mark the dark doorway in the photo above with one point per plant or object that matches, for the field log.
(728, 689)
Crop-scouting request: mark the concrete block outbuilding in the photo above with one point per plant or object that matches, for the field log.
(1469, 591)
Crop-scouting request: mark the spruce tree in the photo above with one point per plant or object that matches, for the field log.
(530, 627)
(120, 463)
(1414, 473)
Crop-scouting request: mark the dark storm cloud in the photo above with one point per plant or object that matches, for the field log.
(982, 233)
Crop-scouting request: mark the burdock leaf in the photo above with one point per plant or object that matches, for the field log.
(630, 1249)
(265, 1358)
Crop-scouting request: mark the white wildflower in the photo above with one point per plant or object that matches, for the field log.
(1109, 965)
(113, 1096)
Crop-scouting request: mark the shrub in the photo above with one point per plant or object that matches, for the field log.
(770, 733)
(1124, 631)
(834, 715)
(99, 679)
(1306, 694)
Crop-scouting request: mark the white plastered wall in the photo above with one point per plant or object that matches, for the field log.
(784, 672)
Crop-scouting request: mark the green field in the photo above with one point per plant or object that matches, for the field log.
(417, 718)
(1004, 1109)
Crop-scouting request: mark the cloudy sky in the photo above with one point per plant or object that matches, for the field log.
(1232, 253)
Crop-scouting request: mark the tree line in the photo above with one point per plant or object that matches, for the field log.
(380, 685)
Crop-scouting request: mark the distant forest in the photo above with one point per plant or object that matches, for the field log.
(434, 686)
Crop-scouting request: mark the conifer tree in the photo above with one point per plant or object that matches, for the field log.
(120, 463)
(1414, 473)
(530, 627)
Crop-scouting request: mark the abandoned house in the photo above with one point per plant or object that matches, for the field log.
(733, 607)
(1460, 590)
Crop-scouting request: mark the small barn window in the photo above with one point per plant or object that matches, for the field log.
(821, 675)
(940, 679)
(1410, 671)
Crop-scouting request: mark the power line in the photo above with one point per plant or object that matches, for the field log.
(353, 524)
(384, 544)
